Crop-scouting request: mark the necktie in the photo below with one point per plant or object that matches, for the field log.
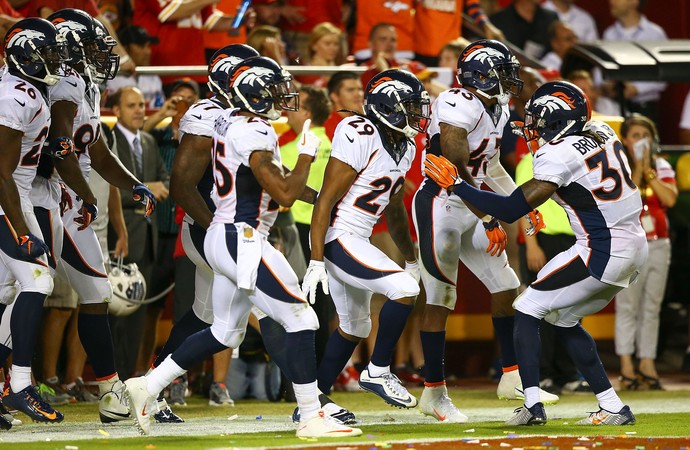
(138, 154)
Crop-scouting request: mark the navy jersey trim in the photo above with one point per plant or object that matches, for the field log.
(585, 207)
(423, 202)
(568, 274)
(197, 233)
(71, 256)
(336, 253)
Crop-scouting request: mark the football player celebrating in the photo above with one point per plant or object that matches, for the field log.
(466, 127)
(34, 54)
(582, 166)
(76, 112)
(364, 179)
(249, 185)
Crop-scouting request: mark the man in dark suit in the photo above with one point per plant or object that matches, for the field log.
(139, 153)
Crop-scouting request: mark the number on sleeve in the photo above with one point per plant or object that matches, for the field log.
(366, 130)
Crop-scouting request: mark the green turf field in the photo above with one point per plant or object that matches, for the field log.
(261, 424)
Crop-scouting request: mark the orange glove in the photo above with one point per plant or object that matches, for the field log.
(536, 222)
(441, 171)
(498, 239)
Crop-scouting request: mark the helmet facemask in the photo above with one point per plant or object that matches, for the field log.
(284, 95)
(48, 60)
(505, 82)
(99, 61)
(414, 110)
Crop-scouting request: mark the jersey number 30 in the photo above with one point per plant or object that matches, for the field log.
(600, 159)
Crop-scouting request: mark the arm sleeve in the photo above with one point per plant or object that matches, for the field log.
(350, 147)
(256, 135)
(473, 8)
(455, 110)
(15, 116)
(548, 168)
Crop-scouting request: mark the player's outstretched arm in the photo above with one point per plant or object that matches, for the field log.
(398, 226)
(9, 196)
(511, 207)
(191, 159)
(338, 177)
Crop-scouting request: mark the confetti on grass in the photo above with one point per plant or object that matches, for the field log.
(104, 433)
(233, 417)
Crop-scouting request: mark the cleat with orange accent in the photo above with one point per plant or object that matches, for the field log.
(30, 403)
(324, 426)
(436, 403)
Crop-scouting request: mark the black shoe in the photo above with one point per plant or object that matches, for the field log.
(166, 415)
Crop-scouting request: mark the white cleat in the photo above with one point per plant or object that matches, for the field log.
(142, 404)
(436, 403)
(389, 388)
(510, 388)
(323, 426)
(113, 405)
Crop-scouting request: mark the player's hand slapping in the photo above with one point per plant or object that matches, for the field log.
(316, 274)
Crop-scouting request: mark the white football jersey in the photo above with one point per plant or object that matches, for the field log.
(602, 202)
(200, 120)
(357, 143)
(462, 109)
(23, 108)
(240, 197)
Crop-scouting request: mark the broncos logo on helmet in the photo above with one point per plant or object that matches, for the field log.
(388, 86)
(250, 75)
(224, 63)
(557, 100)
(20, 37)
(480, 53)
(64, 26)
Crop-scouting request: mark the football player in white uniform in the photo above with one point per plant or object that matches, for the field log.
(35, 54)
(364, 179)
(191, 184)
(249, 185)
(582, 166)
(91, 50)
(466, 127)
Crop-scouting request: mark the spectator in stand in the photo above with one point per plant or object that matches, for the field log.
(398, 15)
(562, 38)
(600, 105)
(440, 22)
(217, 39)
(314, 105)
(138, 44)
(383, 43)
(268, 41)
(179, 26)
(449, 55)
(268, 12)
(44, 8)
(579, 20)
(325, 48)
(118, 12)
(427, 77)
(525, 24)
(301, 16)
(631, 25)
(347, 94)
(139, 153)
(638, 305)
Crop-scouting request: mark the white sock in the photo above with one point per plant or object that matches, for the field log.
(307, 399)
(162, 376)
(20, 378)
(608, 400)
(376, 371)
(532, 396)
(107, 384)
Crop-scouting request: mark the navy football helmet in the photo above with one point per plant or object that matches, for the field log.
(490, 67)
(259, 85)
(555, 110)
(397, 99)
(89, 42)
(35, 49)
(222, 62)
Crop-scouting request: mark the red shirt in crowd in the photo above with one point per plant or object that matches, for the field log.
(33, 7)
(181, 41)
(315, 12)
